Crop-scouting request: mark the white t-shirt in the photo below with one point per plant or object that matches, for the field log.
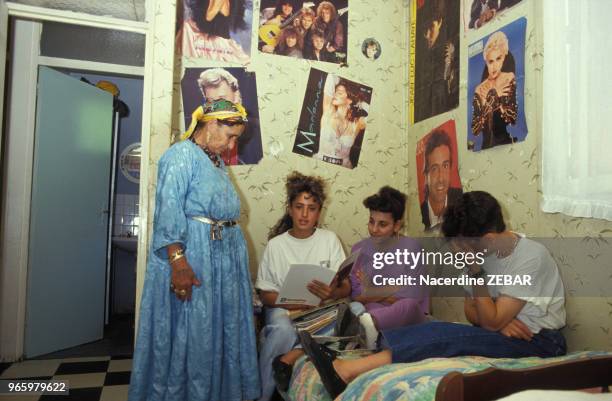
(545, 297)
(322, 248)
(435, 220)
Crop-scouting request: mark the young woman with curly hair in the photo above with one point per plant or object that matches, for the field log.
(295, 239)
(384, 307)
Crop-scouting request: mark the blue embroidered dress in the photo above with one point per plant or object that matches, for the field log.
(205, 349)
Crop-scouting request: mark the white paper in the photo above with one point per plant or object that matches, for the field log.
(294, 289)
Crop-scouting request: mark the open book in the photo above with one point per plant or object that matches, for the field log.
(295, 291)
(345, 267)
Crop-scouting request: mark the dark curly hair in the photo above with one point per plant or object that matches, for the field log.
(295, 185)
(352, 92)
(475, 214)
(288, 32)
(436, 139)
(432, 10)
(387, 200)
(235, 21)
(278, 9)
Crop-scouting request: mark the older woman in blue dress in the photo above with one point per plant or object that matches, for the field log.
(196, 339)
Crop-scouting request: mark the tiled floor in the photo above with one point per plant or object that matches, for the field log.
(89, 379)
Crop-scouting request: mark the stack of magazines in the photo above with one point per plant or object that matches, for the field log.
(317, 319)
(321, 323)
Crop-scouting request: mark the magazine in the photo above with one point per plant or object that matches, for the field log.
(295, 291)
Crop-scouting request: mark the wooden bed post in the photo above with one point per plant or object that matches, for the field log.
(494, 383)
(450, 387)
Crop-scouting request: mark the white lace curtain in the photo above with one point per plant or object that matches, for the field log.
(577, 115)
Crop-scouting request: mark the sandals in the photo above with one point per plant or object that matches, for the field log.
(282, 371)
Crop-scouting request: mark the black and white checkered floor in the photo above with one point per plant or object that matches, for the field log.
(90, 379)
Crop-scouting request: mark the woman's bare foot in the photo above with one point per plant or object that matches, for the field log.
(340, 366)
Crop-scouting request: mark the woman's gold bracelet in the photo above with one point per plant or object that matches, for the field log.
(178, 254)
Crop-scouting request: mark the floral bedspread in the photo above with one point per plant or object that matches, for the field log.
(415, 381)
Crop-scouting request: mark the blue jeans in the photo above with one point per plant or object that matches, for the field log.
(277, 337)
(443, 340)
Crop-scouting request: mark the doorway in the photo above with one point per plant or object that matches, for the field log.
(115, 300)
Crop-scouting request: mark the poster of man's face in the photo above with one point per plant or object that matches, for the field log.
(434, 63)
(477, 13)
(496, 87)
(312, 30)
(438, 173)
(333, 119)
(237, 85)
(215, 30)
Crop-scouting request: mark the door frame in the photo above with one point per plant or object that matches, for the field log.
(14, 249)
(4, 17)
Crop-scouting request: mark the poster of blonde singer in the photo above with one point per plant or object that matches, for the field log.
(237, 85)
(496, 87)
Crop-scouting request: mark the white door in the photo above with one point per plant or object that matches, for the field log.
(69, 214)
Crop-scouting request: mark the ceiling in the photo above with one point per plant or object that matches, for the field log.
(126, 9)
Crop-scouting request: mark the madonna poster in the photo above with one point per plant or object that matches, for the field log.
(333, 119)
(496, 87)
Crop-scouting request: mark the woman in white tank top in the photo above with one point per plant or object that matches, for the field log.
(339, 122)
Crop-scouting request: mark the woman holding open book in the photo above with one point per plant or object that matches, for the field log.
(295, 239)
(385, 307)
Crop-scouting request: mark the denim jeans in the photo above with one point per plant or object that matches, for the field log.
(442, 339)
(277, 337)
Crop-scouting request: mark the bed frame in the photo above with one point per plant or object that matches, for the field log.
(493, 383)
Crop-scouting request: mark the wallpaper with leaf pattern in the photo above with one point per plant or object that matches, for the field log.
(511, 173)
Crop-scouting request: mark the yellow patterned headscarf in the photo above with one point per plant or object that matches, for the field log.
(217, 110)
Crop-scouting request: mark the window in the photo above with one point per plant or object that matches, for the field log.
(577, 112)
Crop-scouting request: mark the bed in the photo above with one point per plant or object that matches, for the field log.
(460, 378)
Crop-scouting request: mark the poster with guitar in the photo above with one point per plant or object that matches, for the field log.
(312, 30)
